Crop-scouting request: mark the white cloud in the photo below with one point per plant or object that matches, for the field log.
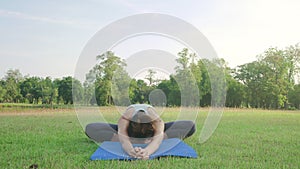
(24, 16)
(20, 15)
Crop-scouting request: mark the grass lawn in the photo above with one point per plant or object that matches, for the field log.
(244, 139)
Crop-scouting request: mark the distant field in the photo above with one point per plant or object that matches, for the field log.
(21, 106)
(245, 138)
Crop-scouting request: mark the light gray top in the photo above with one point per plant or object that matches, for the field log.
(140, 107)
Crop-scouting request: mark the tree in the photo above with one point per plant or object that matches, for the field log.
(252, 76)
(65, 90)
(216, 70)
(31, 89)
(88, 93)
(150, 76)
(204, 84)
(276, 79)
(101, 77)
(292, 55)
(12, 80)
(58, 98)
(77, 92)
(139, 91)
(165, 86)
(267, 80)
(293, 96)
(186, 80)
(174, 96)
(2, 91)
(49, 91)
(171, 90)
(235, 92)
(120, 87)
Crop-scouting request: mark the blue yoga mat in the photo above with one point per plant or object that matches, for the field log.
(170, 147)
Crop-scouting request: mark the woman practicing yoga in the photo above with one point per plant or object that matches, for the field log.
(139, 124)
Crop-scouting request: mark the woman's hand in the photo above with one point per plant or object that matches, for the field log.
(141, 153)
(132, 153)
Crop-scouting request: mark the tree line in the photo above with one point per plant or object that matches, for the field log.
(269, 82)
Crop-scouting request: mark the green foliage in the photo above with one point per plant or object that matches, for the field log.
(150, 77)
(235, 92)
(65, 92)
(11, 86)
(31, 89)
(217, 76)
(120, 87)
(294, 96)
(138, 91)
(49, 92)
(186, 80)
(269, 82)
(101, 77)
(2, 92)
(205, 84)
(174, 97)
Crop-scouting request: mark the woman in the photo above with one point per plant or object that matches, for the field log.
(140, 124)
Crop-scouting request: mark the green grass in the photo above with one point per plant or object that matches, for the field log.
(243, 139)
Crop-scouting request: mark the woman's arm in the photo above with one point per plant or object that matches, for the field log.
(123, 137)
(157, 138)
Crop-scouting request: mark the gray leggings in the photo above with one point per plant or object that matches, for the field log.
(100, 132)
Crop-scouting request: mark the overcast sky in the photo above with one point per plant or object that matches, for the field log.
(45, 38)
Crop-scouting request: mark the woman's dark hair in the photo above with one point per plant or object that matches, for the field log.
(140, 126)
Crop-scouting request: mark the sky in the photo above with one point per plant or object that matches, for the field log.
(45, 38)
